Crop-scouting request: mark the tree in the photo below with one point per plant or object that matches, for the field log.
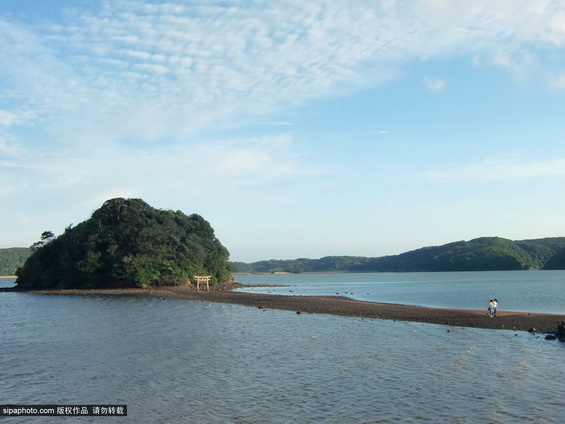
(46, 237)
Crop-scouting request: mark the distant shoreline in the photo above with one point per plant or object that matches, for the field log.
(298, 273)
(334, 305)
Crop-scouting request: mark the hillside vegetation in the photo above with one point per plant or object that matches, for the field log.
(12, 258)
(481, 254)
(557, 261)
(126, 243)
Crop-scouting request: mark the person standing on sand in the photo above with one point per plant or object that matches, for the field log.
(494, 306)
(491, 308)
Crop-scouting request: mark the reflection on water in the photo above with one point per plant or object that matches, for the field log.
(177, 361)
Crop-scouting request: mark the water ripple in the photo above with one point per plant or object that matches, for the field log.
(176, 361)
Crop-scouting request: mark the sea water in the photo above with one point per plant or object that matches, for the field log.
(180, 361)
(527, 291)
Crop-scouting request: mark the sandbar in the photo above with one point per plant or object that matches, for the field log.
(337, 305)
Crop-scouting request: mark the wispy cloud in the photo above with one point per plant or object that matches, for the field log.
(434, 84)
(7, 118)
(232, 169)
(559, 82)
(381, 132)
(277, 124)
(149, 70)
(498, 169)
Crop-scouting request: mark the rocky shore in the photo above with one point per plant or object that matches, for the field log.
(505, 320)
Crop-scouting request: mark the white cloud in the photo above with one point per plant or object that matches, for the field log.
(7, 118)
(434, 84)
(277, 123)
(559, 82)
(7, 149)
(519, 61)
(151, 68)
(380, 132)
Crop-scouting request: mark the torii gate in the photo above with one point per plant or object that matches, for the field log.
(202, 279)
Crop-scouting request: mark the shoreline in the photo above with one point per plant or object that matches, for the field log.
(335, 305)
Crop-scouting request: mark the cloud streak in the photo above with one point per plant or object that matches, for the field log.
(435, 84)
(498, 169)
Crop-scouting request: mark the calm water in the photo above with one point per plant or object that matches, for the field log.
(177, 361)
(529, 291)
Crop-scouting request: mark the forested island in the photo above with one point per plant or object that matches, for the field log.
(126, 243)
(481, 254)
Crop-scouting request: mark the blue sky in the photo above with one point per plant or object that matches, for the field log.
(297, 129)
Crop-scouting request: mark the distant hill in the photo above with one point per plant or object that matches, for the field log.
(126, 243)
(13, 258)
(480, 254)
(557, 261)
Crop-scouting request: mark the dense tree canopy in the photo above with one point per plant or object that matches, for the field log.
(127, 243)
(481, 254)
(557, 261)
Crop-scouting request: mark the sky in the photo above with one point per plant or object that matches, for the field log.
(297, 129)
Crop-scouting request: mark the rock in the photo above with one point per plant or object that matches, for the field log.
(561, 331)
(533, 330)
(550, 337)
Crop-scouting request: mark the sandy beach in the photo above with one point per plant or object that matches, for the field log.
(505, 320)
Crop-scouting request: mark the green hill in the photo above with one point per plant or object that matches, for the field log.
(12, 258)
(126, 243)
(557, 261)
(481, 254)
